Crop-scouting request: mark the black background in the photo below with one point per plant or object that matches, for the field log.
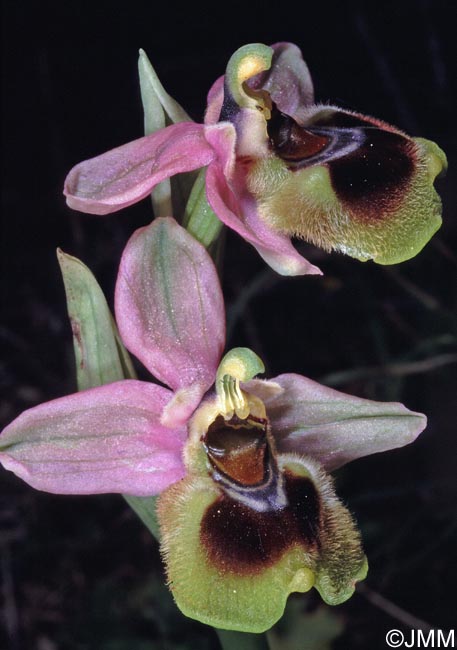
(81, 573)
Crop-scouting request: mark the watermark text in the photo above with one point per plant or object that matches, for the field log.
(421, 639)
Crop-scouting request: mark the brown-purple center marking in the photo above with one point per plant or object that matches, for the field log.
(370, 166)
(242, 541)
(238, 449)
(373, 178)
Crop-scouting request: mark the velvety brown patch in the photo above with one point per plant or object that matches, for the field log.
(238, 449)
(292, 142)
(372, 179)
(240, 540)
(370, 165)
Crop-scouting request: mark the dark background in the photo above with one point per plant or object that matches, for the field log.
(82, 573)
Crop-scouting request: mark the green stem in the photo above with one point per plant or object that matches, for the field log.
(230, 640)
(199, 218)
(145, 508)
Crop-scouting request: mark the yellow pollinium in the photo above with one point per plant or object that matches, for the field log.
(232, 400)
(240, 364)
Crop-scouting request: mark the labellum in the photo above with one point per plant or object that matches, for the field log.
(248, 526)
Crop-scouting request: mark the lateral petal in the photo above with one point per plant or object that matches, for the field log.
(275, 248)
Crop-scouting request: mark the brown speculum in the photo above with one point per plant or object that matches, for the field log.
(238, 449)
(292, 142)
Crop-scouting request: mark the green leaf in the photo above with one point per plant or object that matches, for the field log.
(161, 110)
(199, 218)
(152, 90)
(100, 356)
(145, 508)
(300, 629)
(231, 640)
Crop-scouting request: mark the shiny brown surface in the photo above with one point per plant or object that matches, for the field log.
(292, 142)
(238, 449)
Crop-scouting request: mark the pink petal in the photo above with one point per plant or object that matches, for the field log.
(125, 175)
(222, 137)
(277, 250)
(169, 305)
(181, 406)
(335, 428)
(288, 81)
(265, 389)
(105, 439)
(215, 101)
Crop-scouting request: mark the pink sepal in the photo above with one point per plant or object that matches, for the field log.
(125, 175)
(105, 439)
(335, 428)
(169, 305)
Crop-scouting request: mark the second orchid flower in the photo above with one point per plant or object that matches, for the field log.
(280, 165)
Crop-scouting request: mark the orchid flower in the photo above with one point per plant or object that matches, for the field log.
(248, 513)
(279, 165)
